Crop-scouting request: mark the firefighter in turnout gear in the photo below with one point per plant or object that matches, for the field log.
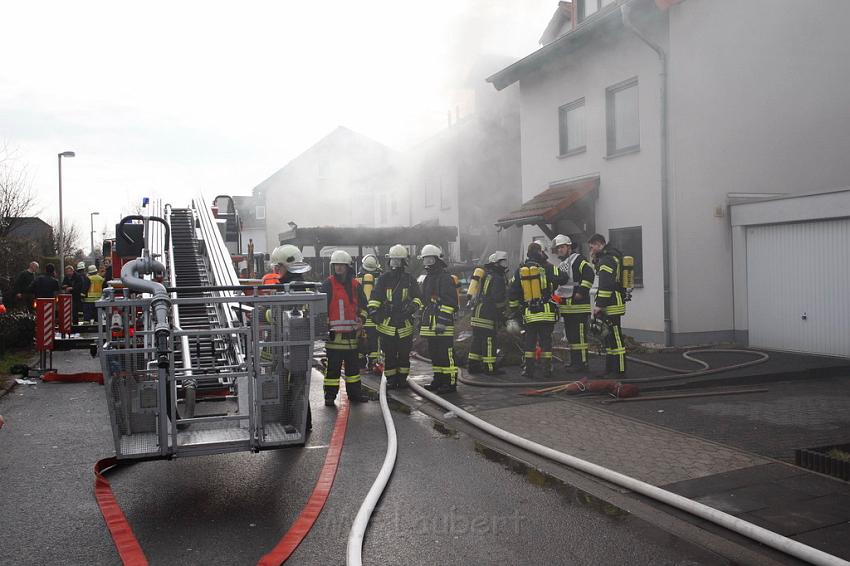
(610, 305)
(574, 299)
(394, 301)
(288, 265)
(437, 324)
(489, 301)
(368, 278)
(346, 313)
(530, 298)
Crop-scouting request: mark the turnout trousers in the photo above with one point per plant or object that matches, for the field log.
(615, 348)
(396, 358)
(343, 352)
(538, 333)
(482, 353)
(441, 351)
(575, 329)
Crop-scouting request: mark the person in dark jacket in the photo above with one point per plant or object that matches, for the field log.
(45, 285)
(21, 296)
(610, 306)
(346, 314)
(488, 314)
(437, 325)
(392, 305)
(73, 283)
(530, 297)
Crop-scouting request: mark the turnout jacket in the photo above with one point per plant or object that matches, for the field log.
(440, 297)
(395, 299)
(609, 295)
(369, 322)
(582, 275)
(345, 301)
(492, 299)
(544, 310)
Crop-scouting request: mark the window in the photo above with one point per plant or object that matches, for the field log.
(623, 127)
(260, 212)
(429, 198)
(571, 134)
(445, 200)
(630, 242)
(586, 8)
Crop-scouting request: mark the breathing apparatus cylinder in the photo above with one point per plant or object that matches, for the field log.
(475, 283)
(368, 285)
(534, 273)
(627, 274)
(525, 281)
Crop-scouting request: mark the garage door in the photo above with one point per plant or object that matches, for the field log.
(798, 286)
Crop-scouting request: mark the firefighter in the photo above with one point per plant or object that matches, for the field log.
(346, 313)
(394, 301)
(488, 314)
(288, 265)
(610, 306)
(437, 324)
(371, 271)
(93, 294)
(574, 299)
(530, 298)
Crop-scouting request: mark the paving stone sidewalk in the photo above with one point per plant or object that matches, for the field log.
(698, 462)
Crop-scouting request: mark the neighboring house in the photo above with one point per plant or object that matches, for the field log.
(252, 213)
(755, 102)
(324, 185)
(468, 173)
(31, 229)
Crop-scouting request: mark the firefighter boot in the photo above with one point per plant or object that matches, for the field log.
(610, 371)
(528, 368)
(438, 381)
(576, 366)
(474, 367)
(355, 393)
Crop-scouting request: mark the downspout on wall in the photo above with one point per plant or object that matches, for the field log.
(625, 10)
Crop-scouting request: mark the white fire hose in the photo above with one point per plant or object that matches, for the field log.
(759, 534)
(361, 521)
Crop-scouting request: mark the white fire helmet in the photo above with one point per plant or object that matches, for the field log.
(430, 254)
(341, 257)
(397, 256)
(290, 257)
(561, 240)
(370, 263)
(500, 258)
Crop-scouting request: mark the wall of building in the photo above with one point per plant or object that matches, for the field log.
(629, 192)
(758, 103)
(324, 185)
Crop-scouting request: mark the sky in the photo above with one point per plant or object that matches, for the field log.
(168, 99)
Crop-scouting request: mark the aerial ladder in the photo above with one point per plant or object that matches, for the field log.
(192, 364)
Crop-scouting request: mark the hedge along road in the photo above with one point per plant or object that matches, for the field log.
(445, 503)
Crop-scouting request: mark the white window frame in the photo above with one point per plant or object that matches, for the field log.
(564, 132)
(610, 111)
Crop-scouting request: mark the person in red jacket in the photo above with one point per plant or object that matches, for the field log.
(346, 314)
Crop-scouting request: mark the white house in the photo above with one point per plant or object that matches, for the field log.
(646, 115)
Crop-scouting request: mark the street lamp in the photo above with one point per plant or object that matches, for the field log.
(61, 232)
(92, 235)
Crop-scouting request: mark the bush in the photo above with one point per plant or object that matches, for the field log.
(17, 330)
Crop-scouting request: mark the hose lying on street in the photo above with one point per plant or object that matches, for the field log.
(361, 521)
(679, 377)
(754, 532)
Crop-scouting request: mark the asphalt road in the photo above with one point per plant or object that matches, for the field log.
(446, 503)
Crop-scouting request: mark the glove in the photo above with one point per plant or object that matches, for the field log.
(411, 309)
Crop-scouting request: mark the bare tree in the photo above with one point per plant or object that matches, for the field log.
(16, 196)
(70, 239)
